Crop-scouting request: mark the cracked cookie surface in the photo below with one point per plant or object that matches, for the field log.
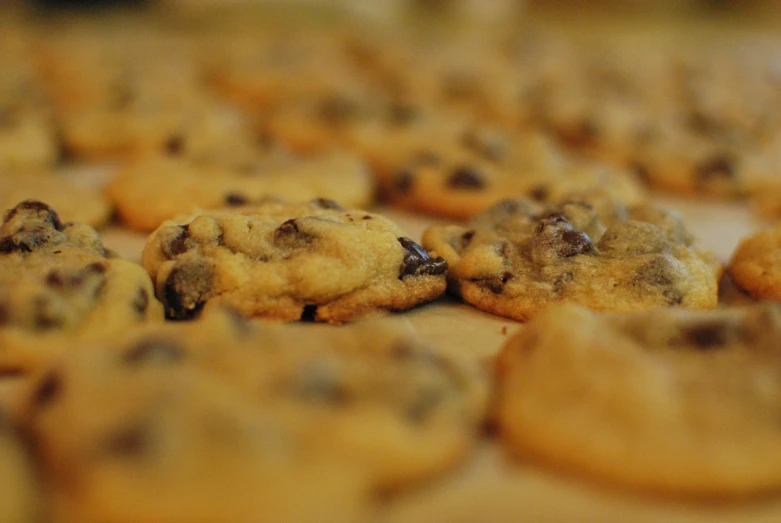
(313, 262)
(58, 280)
(671, 401)
(517, 257)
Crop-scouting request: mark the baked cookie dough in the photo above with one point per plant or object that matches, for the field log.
(467, 171)
(132, 436)
(74, 202)
(313, 261)
(156, 188)
(756, 264)
(667, 401)
(517, 257)
(56, 281)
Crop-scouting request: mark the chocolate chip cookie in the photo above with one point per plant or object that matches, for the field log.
(480, 166)
(58, 281)
(190, 184)
(173, 444)
(756, 264)
(517, 257)
(367, 394)
(73, 202)
(670, 401)
(311, 262)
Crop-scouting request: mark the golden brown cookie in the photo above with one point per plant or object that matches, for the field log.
(756, 264)
(667, 401)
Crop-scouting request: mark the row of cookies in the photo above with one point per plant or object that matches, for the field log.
(143, 91)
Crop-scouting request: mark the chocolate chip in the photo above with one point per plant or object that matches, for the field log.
(179, 244)
(309, 314)
(288, 228)
(423, 406)
(716, 167)
(38, 208)
(417, 261)
(320, 383)
(402, 181)
(129, 442)
(55, 279)
(708, 335)
(539, 193)
(235, 199)
(574, 243)
(154, 350)
(141, 301)
(47, 390)
(495, 285)
(186, 289)
(96, 267)
(465, 178)
(325, 203)
(174, 145)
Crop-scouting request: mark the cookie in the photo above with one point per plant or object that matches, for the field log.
(58, 281)
(313, 262)
(517, 257)
(480, 166)
(173, 444)
(74, 203)
(20, 497)
(756, 262)
(668, 401)
(368, 394)
(156, 188)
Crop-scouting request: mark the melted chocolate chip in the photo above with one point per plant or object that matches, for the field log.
(465, 178)
(141, 301)
(96, 267)
(417, 262)
(174, 145)
(495, 285)
(402, 181)
(717, 167)
(574, 243)
(47, 390)
(235, 199)
(707, 335)
(37, 207)
(179, 244)
(154, 350)
(309, 314)
(673, 296)
(539, 193)
(186, 289)
(325, 203)
(130, 442)
(287, 229)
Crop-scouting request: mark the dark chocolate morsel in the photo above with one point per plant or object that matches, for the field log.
(186, 289)
(130, 442)
(325, 203)
(707, 335)
(717, 167)
(465, 178)
(179, 244)
(539, 193)
(38, 207)
(402, 181)
(47, 390)
(174, 145)
(417, 261)
(574, 243)
(141, 301)
(235, 199)
(309, 313)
